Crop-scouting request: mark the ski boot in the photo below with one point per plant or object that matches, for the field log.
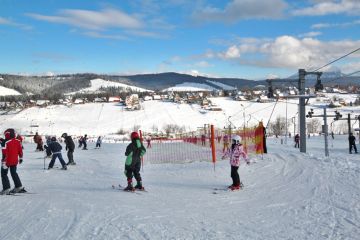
(139, 186)
(235, 188)
(17, 190)
(5, 192)
(64, 167)
(129, 188)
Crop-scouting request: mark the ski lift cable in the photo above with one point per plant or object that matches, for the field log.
(337, 59)
(272, 113)
(347, 75)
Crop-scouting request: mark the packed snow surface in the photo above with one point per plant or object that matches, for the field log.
(287, 195)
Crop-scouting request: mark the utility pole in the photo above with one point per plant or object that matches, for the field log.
(325, 126)
(302, 97)
(325, 130)
(302, 121)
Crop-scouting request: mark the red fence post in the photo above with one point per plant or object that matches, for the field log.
(213, 145)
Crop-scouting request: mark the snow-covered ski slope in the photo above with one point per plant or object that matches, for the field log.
(287, 195)
(4, 91)
(106, 118)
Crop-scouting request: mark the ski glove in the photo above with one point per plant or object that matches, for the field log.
(3, 166)
(20, 160)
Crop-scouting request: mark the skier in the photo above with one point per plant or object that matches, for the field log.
(38, 140)
(56, 152)
(297, 140)
(81, 140)
(98, 142)
(352, 143)
(12, 156)
(70, 148)
(134, 151)
(225, 143)
(47, 149)
(85, 142)
(203, 139)
(235, 153)
(148, 140)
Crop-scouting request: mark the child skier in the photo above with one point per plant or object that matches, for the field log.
(70, 148)
(98, 142)
(12, 156)
(235, 153)
(134, 151)
(55, 148)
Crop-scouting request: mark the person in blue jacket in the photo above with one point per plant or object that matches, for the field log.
(55, 148)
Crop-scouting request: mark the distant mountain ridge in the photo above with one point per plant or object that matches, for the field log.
(65, 83)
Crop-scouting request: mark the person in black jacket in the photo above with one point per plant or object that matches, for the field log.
(134, 151)
(55, 148)
(352, 143)
(70, 147)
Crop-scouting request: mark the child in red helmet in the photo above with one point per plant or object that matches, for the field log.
(12, 156)
(134, 151)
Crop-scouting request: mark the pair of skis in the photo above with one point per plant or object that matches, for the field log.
(21, 193)
(121, 188)
(227, 189)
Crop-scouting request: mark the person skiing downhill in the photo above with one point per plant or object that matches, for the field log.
(56, 153)
(235, 153)
(134, 151)
(70, 148)
(12, 156)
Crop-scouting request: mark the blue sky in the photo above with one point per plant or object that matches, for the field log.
(253, 39)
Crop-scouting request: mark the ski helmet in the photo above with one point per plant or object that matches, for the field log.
(134, 135)
(64, 135)
(53, 139)
(9, 133)
(236, 138)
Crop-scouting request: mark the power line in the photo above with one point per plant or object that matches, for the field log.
(337, 59)
(347, 75)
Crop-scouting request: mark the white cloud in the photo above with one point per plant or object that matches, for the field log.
(202, 64)
(332, 25)
(93, 20)
(105, 36)
(310, 34)
(237, 10)
(8, 22)
(232, 52)
(320, 8)
(287, 52)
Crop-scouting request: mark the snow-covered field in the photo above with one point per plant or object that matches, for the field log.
(287, 195)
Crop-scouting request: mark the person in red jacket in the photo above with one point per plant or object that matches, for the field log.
(12, 156)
